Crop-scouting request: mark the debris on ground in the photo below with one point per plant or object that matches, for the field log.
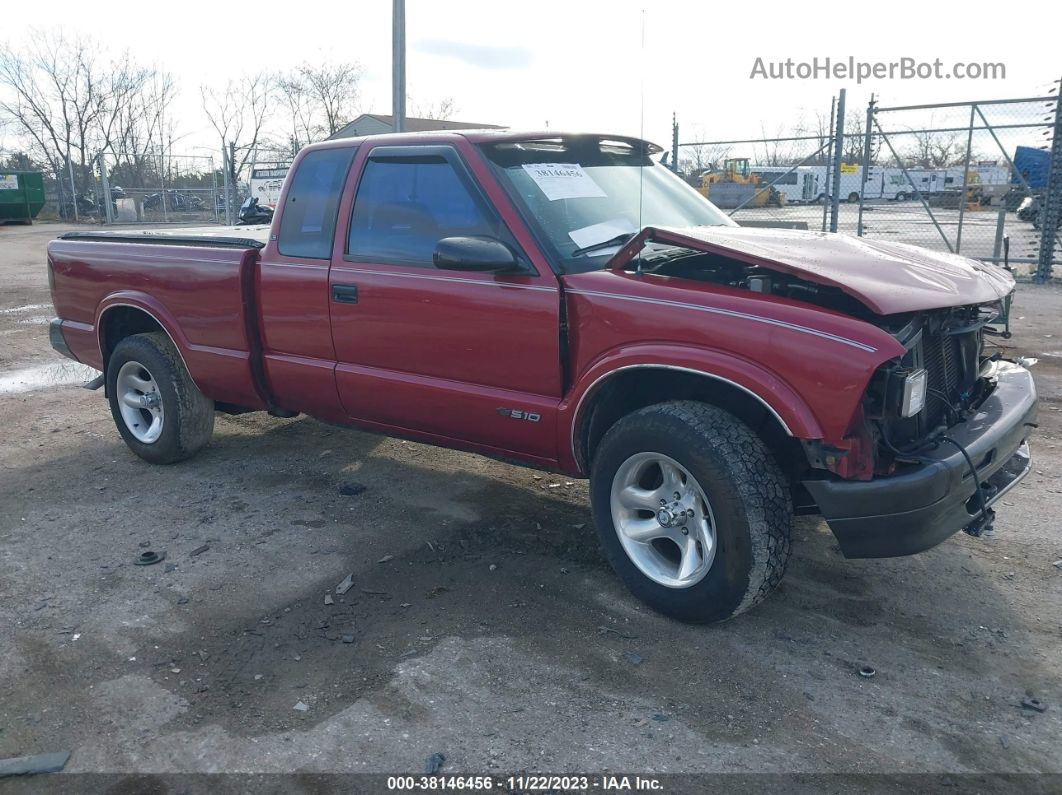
(1033, 703)
(199, 550)
(328, 600)
(434, 763)
(866, 671)
(149, 558)
(345, 585)
(386, 558)
(633, 657)
(660, 717)
(348, 637)
(610, 630)
(351, 489)
(436, 591)
(301, 707)
(31, 765)
(1058, 564)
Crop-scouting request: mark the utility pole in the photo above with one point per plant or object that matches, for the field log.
(398, 65)
(73, 187)
(674, 143)
(225, 171)
(838, 156)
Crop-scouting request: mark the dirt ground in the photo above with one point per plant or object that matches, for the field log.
(485, 624)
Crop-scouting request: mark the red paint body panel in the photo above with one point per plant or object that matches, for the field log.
(887, 277)
(194, 293)
(439, 355)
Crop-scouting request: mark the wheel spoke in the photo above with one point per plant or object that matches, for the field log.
(672, 479)
(691, 558)
(636, 498)
(135, 381)
(642, 530)
(131, 399)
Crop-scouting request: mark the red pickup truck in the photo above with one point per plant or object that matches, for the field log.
(567, 302)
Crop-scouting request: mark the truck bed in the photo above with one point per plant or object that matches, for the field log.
(223, 237)
(198, 285)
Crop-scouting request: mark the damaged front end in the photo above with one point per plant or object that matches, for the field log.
(949, 426)
(935, 385)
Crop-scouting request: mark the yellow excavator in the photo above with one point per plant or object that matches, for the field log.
(734, 185)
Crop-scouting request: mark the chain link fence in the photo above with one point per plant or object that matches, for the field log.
(980, 178)
(160, 189)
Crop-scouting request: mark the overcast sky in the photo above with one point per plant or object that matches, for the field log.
(580, 65)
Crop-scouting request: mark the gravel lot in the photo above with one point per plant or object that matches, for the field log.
(485, 624)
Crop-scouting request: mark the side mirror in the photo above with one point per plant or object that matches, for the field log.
(474, 254)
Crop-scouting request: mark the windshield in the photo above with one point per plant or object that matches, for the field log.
(586, 195)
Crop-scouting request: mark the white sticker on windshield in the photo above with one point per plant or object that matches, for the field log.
(563, 181)
(599, 233)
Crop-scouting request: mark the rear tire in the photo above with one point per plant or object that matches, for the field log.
(159, 411)
(723, 472)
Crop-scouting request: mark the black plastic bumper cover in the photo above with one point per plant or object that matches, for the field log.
(913, 511)
(55, 336)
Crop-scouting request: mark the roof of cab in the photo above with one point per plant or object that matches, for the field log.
(479, 136)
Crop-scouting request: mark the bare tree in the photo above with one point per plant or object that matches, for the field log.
(444, 109)
(935, 150)
(301, 127)
(238, 113)
(66, 99)
(333, 91)
(854, 137)
(319, 99)
(145, 132)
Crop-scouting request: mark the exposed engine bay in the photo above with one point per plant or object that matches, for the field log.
(719, 269)
(947, 346)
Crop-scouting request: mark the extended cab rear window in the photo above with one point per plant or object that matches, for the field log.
(309, 215)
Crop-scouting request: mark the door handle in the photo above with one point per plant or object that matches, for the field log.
(345, 293)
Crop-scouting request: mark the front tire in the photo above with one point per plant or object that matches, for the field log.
(159, 411)
(692, 510)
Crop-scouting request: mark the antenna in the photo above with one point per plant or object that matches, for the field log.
(641, 135)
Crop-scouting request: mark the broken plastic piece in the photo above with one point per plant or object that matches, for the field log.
(30, 765)
(345, 585)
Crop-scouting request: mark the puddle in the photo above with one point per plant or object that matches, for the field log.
(32, 379)
(27, 308)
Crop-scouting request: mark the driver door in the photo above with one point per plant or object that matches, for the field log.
(464, 358)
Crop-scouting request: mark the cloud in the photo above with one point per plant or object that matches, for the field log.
(477, 54)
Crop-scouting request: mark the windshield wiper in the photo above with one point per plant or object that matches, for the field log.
(618, 240)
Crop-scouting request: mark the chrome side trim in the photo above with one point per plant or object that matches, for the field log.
(593, 386)
(457, 279)
(730, 313)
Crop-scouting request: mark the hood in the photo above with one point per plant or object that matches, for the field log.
(888, 278)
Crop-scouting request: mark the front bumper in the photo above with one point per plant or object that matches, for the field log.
(913, 511)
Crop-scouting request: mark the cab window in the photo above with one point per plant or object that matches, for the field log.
(308, 221)
(405, 205)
